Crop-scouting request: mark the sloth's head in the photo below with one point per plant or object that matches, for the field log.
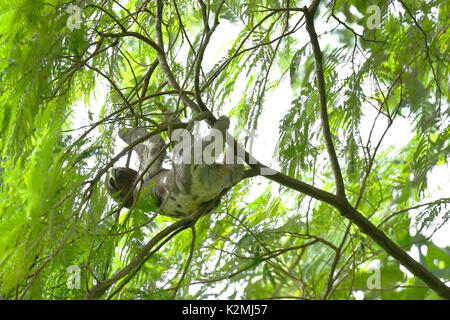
(119, 183)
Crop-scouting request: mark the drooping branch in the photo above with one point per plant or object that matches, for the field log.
(342, 204)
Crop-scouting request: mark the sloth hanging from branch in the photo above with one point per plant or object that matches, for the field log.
(194, 185)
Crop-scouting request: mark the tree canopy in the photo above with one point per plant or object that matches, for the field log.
(355, 93)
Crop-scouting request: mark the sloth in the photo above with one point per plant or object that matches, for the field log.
(190, 187)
